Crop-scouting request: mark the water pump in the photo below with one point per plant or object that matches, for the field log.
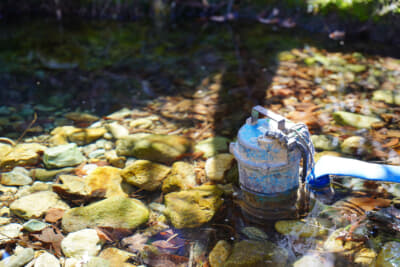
(270, 152)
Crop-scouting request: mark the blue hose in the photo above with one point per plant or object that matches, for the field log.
(338, 166)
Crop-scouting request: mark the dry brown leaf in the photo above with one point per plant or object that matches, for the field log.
(53, 215)
(52, 236)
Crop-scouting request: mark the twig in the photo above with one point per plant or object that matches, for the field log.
(27, 129)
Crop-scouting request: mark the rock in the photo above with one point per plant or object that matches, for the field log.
(314, 260)
(194, 207)
(141, 123)
(86, 135)
(254, 233)
(159, 148)
(115, 212)
(34, 225)
(354, 145)
(9, 231)
(97, 154)
(36, 204)
(117, 257)
(7, 193)
(336, 245)
(87, 262)
(5, 220)
(22, 155)
(355, 120)
(312, 228)
(4, 150)
(81, 117)
(356, 67)
(117, 130)
(365, 257)
(389, 255)
(107, 179)
(35, 187)
(62, 156)
(257, 254)
(81, 243)
(219, 254)
(181, 177)
(145, 174)
(387, 96)
(120, 114)
(217, 166)
(47, 260)
(47, 175)
(324, 142)
(20, 258)
(212, 146)
(18, 176)
(114, 159)
(72, 184)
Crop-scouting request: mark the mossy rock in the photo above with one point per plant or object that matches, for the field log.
(194, 207)
(355, 120)
(182, 177)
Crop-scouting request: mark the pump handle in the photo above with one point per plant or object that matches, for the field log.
(255, 112)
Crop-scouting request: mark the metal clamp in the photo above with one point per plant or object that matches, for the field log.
(257, 110)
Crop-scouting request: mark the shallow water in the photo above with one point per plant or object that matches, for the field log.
(201, 75)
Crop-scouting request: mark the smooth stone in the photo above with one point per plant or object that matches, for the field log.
(389, 255)
(85, 242)
(7, 193)
(257, 254)
(145, 174)
(5, 220)
(36, 204)
(314, 260)
(353, 119)
(18, 176)
(194, 207)
(117, 257)
(115, 212)
(30, 189)
(154, 147)
(141, 123)
(81, 117)
(86, 135)
(114, 159)
(216, 167)
(219, 254)
(365, 257)
(120, 114)
(336, 245)
(117, 130)
(354, 145)
(34, 225)
(181, 177)
(87, 262)
(62, 156)
(9, 231)
(5, 149)
(48, 175)
(19, 259)
(46, 260)
(311, 228)
(97, 154)
(254, 233)
(72, 184)
(212, 146)
(107, 179)
(324, 142)
(387, 96)
(22, 155)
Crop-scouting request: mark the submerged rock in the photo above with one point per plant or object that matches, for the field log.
(182, 177)
(334, 244)
(257, 254)
(254, 233)
(315, 260)
(72, 184)
(81, 136)
(62, 156)
(145, 174)
(36, 204)
(389, 255)
(47, 175)
(194, 207)
(115, 212)
(107, 179)
(18, 176)
(220, 253)
(387, 96)
(21, 257)
(212, 146)
(154, 147)
(117, 130)
(22, 155)
(354, 145)
(217, 166)
(9, 231)
(47, 260)
(117, 257)
(324, 142)
(311, 228)
(355, 120)
(81, 243)
(34, 225)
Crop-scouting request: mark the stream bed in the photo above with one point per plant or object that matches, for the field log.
(114, 144)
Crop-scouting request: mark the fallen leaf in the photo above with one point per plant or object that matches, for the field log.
(52, 236)
(136, 242)
(53, 215)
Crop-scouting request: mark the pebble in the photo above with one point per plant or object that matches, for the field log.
(9, 231)
(48, 175)
(21, 257)
(18, 176)
(117, 257)
(34, 225)
(81, 243)
(22, 155)
(46, 260)
(62, 156)
(108, 179)
(217, 166)
(220, 253)
(117, 130)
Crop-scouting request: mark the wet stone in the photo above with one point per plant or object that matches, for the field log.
(353, 119)
(324, 142)
(46, 260)
(181, 177)
(354, 145)
(81, 243)
(9, 231)
(387, 96)
(212, 146)
(145, 174)
(254, 233)
(20, 258)
(217, 166)
(35, 187)
(48, 175)
(34, 225)
(314, 260)
(220, 253)
(115, 160)
(389, 255)
(117, 257)
(62, 156)
(115, 212)
(194, 207)
(22, 155)
(154, 147)
(36, 204)
(334, 244)
(256, 254)
(311, 228)
(117, 130)
(107, 179)
(18, 176)
(72, 184)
